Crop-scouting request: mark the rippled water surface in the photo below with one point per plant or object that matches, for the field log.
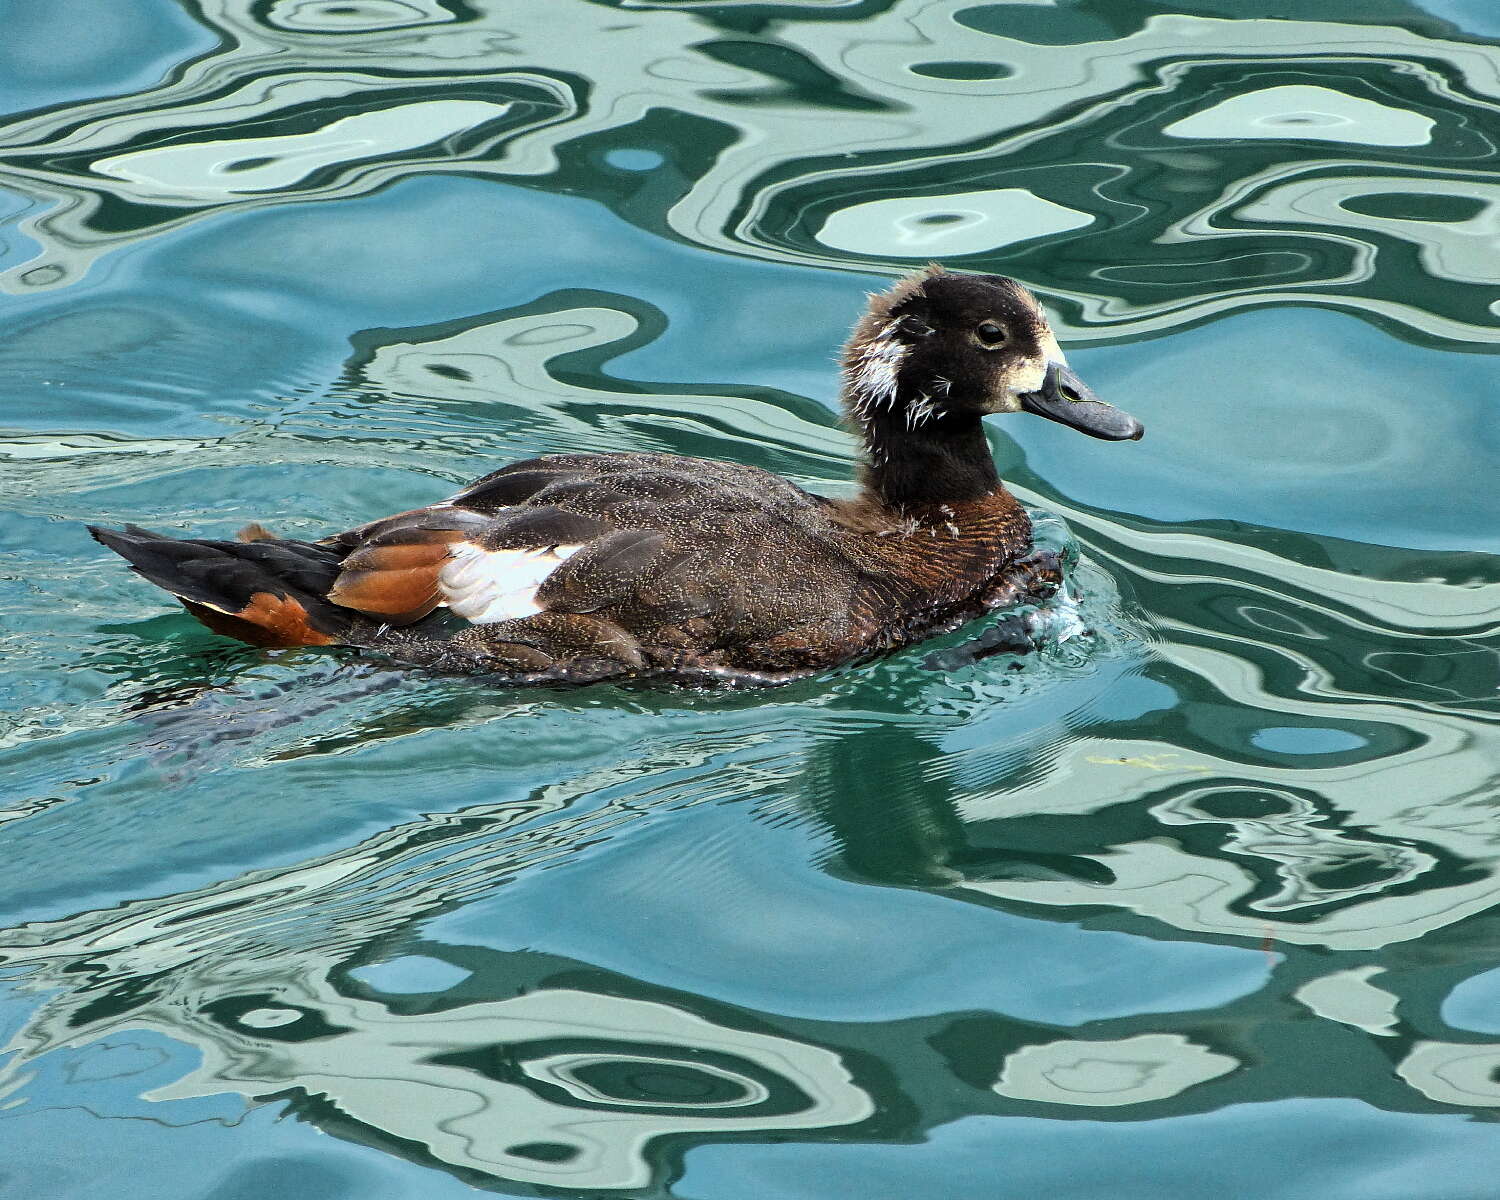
(1201, 901)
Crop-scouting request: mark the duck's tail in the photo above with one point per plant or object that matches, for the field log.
(264, 590)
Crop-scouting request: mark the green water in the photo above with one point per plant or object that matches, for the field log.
(1200, 901)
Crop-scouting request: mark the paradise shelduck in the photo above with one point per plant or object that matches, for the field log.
(580, 567)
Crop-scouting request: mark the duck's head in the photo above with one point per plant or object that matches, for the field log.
(940, 350)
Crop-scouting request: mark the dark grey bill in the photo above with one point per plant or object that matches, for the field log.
(1065, 398)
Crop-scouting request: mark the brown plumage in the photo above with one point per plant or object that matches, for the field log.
(582, 567)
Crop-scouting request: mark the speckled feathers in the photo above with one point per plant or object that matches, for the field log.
(581, 567)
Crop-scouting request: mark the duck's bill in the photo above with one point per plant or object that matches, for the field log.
(1066, 399)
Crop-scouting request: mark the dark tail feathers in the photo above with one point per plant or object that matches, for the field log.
(268, 591)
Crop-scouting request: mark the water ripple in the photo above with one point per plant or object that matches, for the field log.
(1224, 846)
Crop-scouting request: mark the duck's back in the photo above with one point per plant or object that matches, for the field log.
(693, 558)
(672, 563)
(584, 567)
(589, 566)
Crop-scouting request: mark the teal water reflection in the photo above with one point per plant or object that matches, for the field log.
(1202, 896)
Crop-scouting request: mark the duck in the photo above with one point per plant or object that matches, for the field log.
(577, 568)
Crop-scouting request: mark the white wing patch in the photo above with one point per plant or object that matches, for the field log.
(485, 586)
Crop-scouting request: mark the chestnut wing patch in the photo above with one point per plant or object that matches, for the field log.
(485, 568)
(392, 571)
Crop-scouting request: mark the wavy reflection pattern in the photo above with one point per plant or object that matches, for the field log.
(1312, 768)
(311, 984)
(523, 1067)
(1187, 166)
(567, 1075)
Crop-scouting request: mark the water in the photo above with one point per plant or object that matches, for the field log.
(1198, 901)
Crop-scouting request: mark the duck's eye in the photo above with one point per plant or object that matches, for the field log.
(990, 334)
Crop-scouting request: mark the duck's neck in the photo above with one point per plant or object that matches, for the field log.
(942, 462)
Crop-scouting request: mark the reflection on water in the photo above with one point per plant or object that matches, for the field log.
(312, 985)
(1221, 857)
(1191, 149)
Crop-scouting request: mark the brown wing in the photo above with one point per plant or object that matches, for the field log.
(392, 567)
(654, 540)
